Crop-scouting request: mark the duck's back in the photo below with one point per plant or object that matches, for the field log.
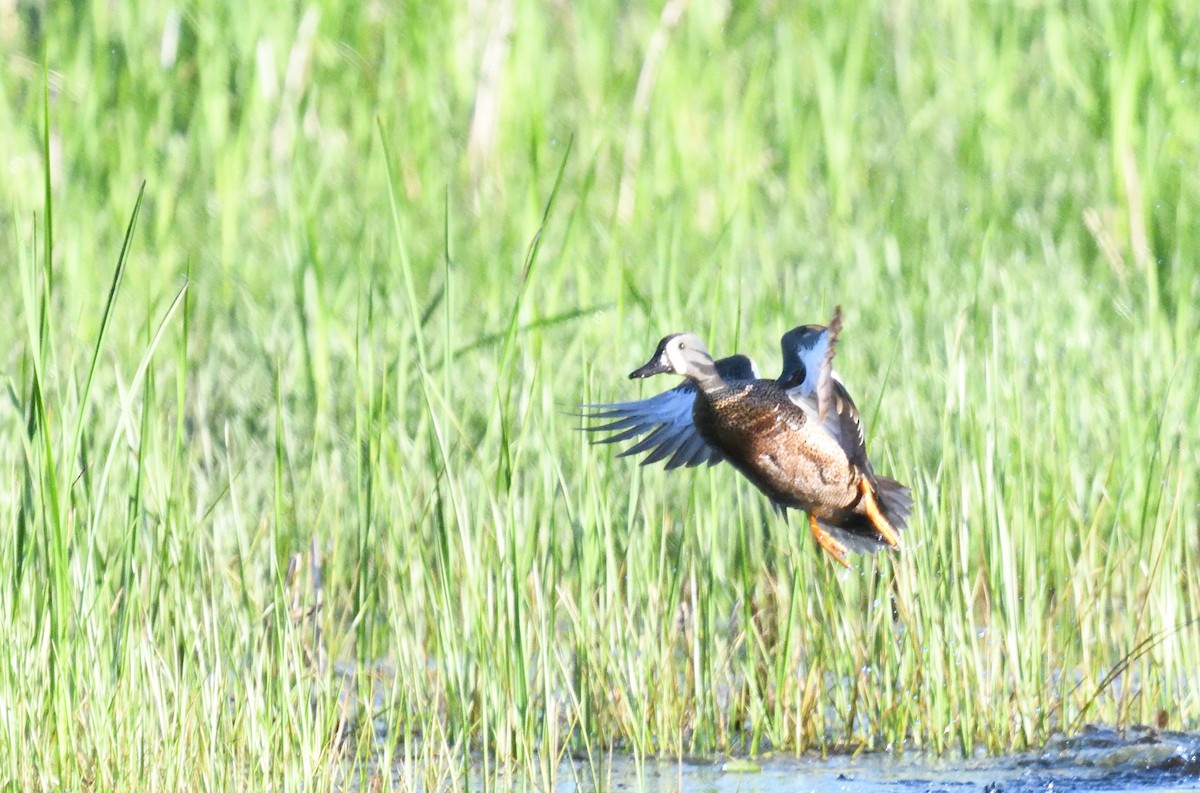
(777, 446)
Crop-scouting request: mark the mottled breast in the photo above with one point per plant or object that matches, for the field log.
(783, 451)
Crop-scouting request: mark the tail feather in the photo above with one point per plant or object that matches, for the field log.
(894, 499)
(858, 533)
(858, 536)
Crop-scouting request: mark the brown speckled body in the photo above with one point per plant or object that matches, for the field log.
(780, 448)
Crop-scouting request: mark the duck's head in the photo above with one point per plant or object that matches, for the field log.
(805, 349)
(679, 353)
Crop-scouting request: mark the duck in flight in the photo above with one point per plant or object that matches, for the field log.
(798, 438)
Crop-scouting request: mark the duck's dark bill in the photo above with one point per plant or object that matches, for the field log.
(656, 366)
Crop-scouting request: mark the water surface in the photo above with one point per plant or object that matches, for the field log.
(1098, 760)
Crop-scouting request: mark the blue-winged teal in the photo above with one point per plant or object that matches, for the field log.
(799, 438)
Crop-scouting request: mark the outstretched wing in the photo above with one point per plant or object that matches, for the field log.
(825, 390)
(829, 402)
(665, 420)
(845, 424)
(842, 420)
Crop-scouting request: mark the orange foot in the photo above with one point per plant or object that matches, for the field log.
(889, 534)
(828, 542)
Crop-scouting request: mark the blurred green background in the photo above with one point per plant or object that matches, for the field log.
(310, 504)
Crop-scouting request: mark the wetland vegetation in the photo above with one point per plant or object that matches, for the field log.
(300, 299)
